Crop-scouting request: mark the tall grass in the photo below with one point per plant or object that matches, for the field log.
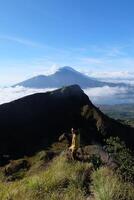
(61, 180)
(108, 186)
(68, 180)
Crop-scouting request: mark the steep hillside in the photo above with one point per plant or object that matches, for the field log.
(36, 121)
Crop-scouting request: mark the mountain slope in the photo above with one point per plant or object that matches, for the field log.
(63, 77)
(36, 121)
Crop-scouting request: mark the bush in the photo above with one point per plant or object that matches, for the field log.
(123, 157)
(96, 161)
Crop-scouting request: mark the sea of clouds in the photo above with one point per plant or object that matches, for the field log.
(113, 76)
(110, 95)
(98, 95)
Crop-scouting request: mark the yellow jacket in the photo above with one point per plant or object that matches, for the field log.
(75, 142)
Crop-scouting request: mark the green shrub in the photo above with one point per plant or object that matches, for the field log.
(96, 161)
(123, 157)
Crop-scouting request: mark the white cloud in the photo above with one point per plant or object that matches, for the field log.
(105, 63)
(110, 95)
(19, 40)
(105, 91)
(9, 93)
(112, 76)
(110, 61)
(110, 51)
(47, 71)
(98, 95)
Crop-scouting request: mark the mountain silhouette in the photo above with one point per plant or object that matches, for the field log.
(36, 121)
(64, 77)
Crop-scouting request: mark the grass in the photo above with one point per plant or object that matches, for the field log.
(67, 180)
(107, 185)
(58, 179)
(62, 179)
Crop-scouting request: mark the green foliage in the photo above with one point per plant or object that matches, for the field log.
(122, 155)
(96, 161)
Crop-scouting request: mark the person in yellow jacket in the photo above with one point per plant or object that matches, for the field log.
(75, 142)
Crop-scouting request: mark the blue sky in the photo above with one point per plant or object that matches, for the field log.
(38, 36)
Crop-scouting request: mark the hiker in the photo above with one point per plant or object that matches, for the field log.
(75, 142)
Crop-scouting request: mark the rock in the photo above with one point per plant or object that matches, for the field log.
(47, 155)
(15, 166)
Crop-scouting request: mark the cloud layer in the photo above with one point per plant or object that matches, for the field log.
(110, 95)
(98, 95)
(9, 93)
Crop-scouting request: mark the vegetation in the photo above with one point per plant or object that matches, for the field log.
(108, 186)
(122, 156)
(66, 180)
(62, 179)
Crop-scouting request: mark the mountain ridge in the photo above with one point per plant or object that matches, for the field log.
(63, 77)
(36, 121)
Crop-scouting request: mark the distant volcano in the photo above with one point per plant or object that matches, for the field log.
(64, 77)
